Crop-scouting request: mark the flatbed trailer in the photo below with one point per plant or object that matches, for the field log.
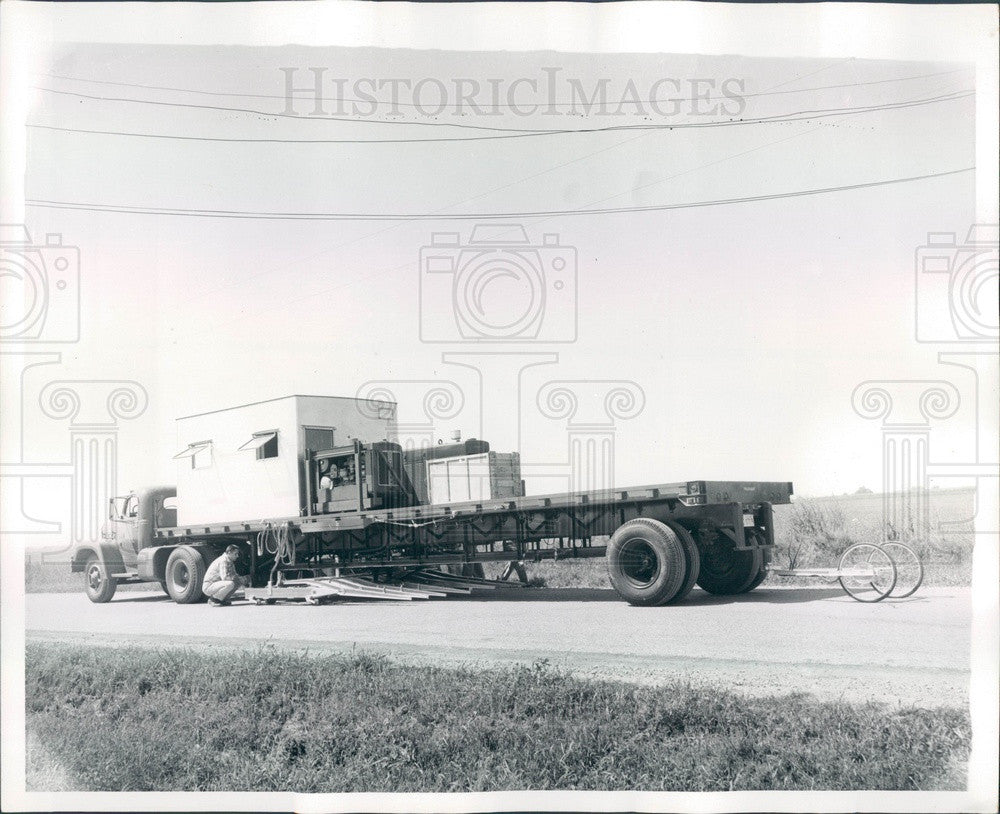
(660, 540)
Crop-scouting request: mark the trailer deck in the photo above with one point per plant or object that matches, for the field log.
(679, 495)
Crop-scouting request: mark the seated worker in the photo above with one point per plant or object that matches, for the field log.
(221, 580)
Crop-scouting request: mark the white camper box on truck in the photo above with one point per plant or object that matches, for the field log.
(248, 461)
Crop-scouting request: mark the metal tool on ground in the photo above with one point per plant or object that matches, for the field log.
(870, 572)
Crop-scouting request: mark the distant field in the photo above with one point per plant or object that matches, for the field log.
(812, 531)
(129, 719)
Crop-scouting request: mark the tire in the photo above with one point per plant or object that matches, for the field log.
(98, 584)
(726, 570)
(765, 559)
(646, 562)
(692, 561)
(163, 587)
(184, 574)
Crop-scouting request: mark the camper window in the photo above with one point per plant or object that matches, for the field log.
(265, 443)
(200, 454)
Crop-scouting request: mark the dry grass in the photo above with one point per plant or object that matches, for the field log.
(114, 719)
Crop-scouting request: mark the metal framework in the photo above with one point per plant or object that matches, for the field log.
(524, 528)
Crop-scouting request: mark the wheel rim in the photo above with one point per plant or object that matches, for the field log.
(868, 573)
(909, 569)
(182, 576)
(94, 578)
(639, 564)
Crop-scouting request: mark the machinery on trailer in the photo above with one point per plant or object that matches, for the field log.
(323, 507)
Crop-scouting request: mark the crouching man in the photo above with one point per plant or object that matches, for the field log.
(221, 580)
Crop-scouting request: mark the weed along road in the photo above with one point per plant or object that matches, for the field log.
(775, 640)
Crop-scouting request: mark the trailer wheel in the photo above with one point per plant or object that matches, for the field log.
(765, 559)
(646, 562)
(184, 574)
(692, 561)
(727, 571)
(98, 583)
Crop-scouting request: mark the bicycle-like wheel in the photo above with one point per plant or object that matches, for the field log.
(909, 569)
(867, 572)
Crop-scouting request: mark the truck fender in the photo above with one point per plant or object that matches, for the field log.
(106, 552)
(152, 562)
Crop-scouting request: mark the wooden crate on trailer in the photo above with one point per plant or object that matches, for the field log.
(487, 476)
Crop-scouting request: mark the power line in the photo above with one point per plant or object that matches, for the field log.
(509, 133)
(495, 105)
(481, 216)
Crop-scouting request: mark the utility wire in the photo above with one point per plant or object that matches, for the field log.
(492, 105)
(780, 118)
(481, 216)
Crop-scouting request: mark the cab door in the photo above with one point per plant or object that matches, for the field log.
(123, 526)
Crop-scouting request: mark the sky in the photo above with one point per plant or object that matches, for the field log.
(738, 330)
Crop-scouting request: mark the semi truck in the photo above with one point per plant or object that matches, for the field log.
(318, 520)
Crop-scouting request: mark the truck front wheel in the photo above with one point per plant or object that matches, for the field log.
(646, 562)
(184, 574)
(99, 585)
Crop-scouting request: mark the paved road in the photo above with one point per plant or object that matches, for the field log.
(913, 651)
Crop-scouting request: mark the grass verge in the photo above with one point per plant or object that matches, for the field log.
(137, 719)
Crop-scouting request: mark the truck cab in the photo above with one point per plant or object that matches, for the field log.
(128, 545)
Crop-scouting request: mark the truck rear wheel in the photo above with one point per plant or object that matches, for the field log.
(646, 562)
(692, 561)
(765, 559)
(726, 570)
(98, 583)
(184, 574)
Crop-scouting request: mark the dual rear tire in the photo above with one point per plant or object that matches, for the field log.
(652, 562)
(726, 570)
(184, 575)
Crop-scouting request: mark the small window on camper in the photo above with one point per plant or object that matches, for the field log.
(318, 438)
(265, 443)
(200, 454)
